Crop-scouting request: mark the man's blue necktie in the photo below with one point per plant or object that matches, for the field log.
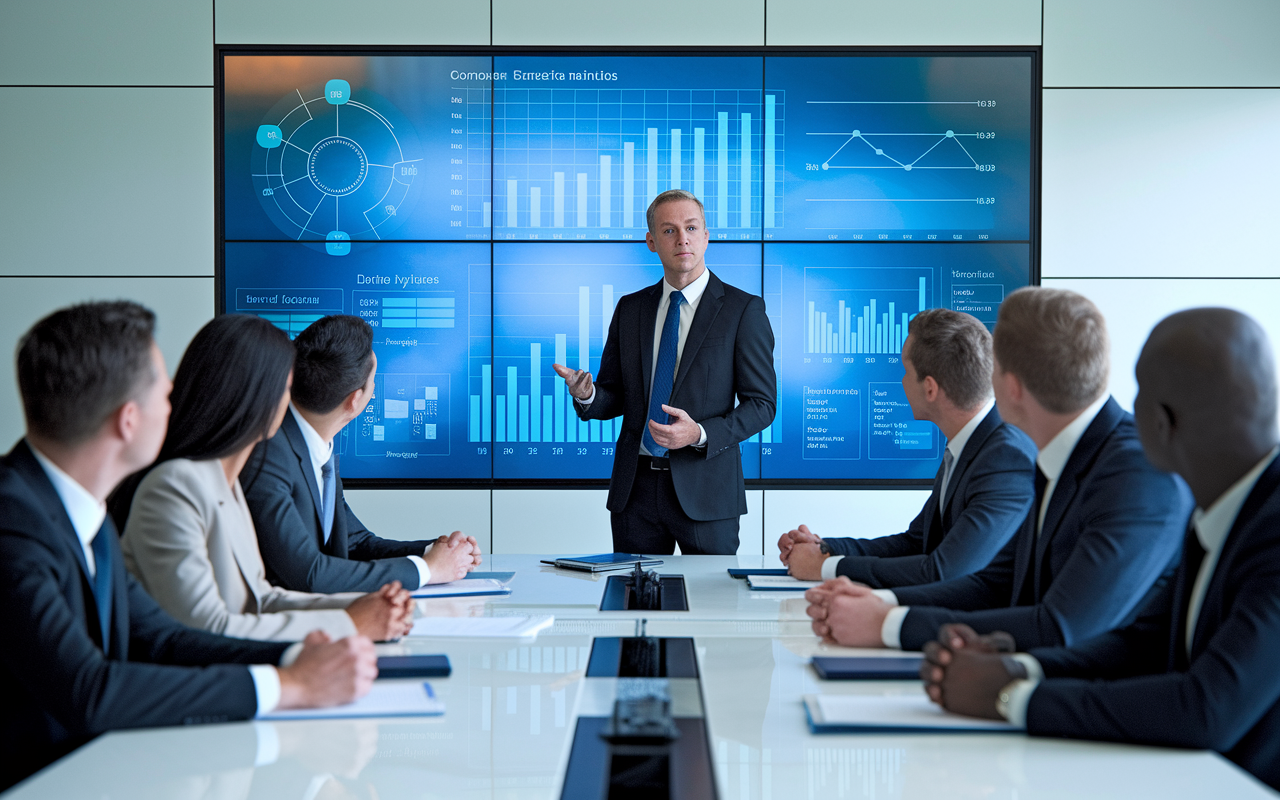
(101, 547)
(328, 489)
(664, 374)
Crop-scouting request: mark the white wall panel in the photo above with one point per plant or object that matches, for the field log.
(1161, 182)
(371, 22)
(106, 181)
(906, 22)
(751, 525)
(1161, 43)
(863, 514)
(423, 514)
(123, 42)
(657, 22)
(569, 521)
(182, 306)
(1133, 307)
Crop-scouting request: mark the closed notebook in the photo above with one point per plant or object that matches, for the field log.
(779, 583)
(463, 588)
(867, 668)
(385, 699)
(906, 713)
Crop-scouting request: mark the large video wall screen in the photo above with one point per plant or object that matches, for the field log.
(484, 213)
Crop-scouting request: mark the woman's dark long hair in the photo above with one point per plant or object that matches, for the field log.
(225, 396)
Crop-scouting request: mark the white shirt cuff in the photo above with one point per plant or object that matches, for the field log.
(590, 398)
(424, 572)
(829, 567)
(268, 744)
(886, 595)
(1035, 672)
(702, 436)
(1020, 692)
(891, 630)
(266, 683)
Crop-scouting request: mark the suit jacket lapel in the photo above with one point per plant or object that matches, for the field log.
(708, 308)
(648, 320)
(933, 510)
(293, 434)
(971, 448)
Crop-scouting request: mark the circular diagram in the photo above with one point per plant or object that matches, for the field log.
(336, 167)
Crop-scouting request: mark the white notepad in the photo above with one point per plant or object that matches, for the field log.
(836, 713)
(462, 588)
(385, 699)
(780, 583)
(481, 627)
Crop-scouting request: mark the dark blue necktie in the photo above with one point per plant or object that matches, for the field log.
(664, 374)
(328, 489)
(101, 547)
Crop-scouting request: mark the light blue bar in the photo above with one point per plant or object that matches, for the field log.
(511, 202)
(889, 319)
(435, 313)
(501, 419)
(570, 422)
(873, 330)
(400, 323)
(584, 328)
(399, 312)
(436, 302)
(434, 323)
(398, 302)
(473, 429)
(651, 166)
(595, 430)
(583, 431)
(562, 349)
(606, 430)
(535, 391)
(770, 112)
(922, 293)
(524, 417)
(512, 389)
(766, 435)
(722, 169)
(486, 402)
(699, 161)
(547, 416)
(744, 171)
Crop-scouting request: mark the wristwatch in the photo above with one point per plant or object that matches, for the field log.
(1004, 698)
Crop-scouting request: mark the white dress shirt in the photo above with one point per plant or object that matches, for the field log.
(320, 452)
(1051, 460)
(1211, 528)
(692, 297)
(87, 514)
(955, 446)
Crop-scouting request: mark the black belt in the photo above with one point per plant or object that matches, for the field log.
(655, 463)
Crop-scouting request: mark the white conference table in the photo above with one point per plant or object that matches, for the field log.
(511, 708)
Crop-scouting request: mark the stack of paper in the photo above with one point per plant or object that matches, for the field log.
(462, 588)
(481, 627)
(906, 713)
(385, 699)
(774, 583)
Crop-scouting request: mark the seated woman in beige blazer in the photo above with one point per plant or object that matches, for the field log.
(188, 536)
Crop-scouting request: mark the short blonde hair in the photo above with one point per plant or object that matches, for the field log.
(1055, 341)
(670, 196)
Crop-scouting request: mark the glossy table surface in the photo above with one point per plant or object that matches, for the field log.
(511, 706)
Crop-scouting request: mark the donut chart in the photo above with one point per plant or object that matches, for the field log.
(336, 167)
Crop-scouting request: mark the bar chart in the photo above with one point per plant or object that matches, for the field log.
(406, 310)
(841, 330)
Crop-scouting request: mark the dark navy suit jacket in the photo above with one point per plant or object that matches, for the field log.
(1139, 684)
(727, 358)
(989, 495)
(60, 688)
(1112, 535)
(285, 503)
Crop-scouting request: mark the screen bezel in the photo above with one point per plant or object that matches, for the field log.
(1034, 52)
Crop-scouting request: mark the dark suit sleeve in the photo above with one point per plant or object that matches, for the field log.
(997, 496)
(989, 587)
(754, 382)
(55, 663)
(364, 545)
(608, 401)
(289, 544)
(1224, 693)
(1131, 534)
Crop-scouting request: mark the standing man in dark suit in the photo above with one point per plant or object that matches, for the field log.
(86, 650)
(1103, 534)
(311, 541)
(983, 488)
(1198, 668)
(678, 355)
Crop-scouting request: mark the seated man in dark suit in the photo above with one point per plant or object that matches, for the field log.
(86, 650)
(310, 539)
(1198, 667)
(984, 486)
(1104, 531)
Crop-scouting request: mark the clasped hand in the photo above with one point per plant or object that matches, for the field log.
(847, 613)
(451, 557)
(801, 551)
(964, 672)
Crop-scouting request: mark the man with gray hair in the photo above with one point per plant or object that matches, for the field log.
(688, 364)
(1104, 531)
(984, 486)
